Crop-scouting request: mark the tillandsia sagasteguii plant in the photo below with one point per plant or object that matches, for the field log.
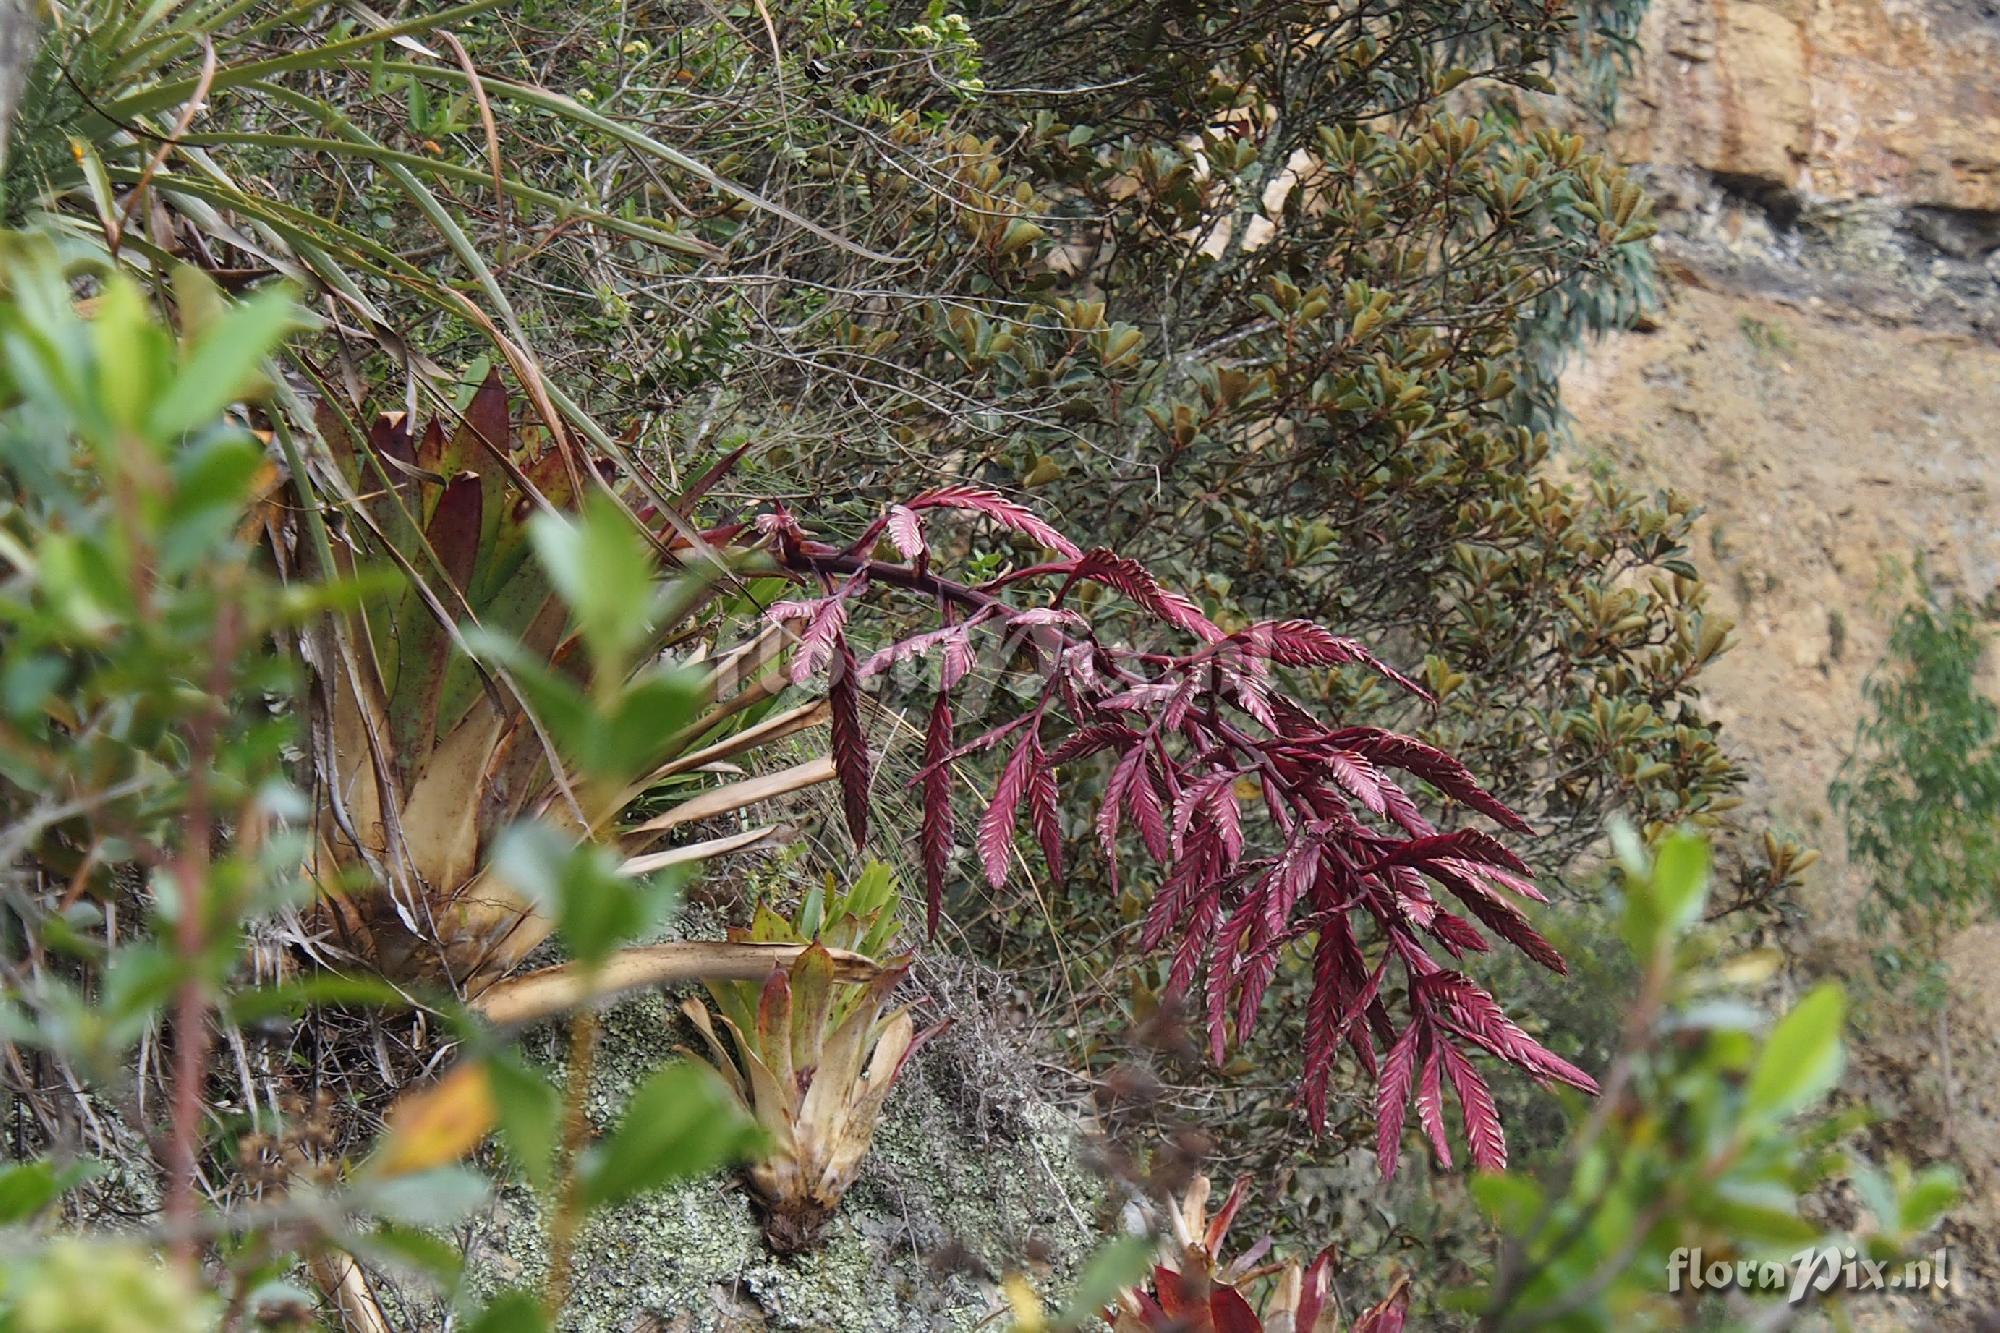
(1173, 1279)
(477, 696)
(813, 1057)
(1278, 832)
(152, 836)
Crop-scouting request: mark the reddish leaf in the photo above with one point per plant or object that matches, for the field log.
(1172, 1292)
(1312, 1299)
(1219, 1224)
(1388, 1316)
(684, 503)
(454, 529)
(1230, 1313)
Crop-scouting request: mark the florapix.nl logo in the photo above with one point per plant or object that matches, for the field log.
(1815, 1269)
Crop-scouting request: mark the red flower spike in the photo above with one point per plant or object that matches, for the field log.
(1271, 827)
(850, 740)
(937, 828)
(1001, 510)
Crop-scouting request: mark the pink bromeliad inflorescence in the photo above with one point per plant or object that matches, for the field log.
(1271, 826)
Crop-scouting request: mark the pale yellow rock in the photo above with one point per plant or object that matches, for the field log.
(1897, 100)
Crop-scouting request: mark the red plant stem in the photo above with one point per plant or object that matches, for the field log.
(191, 1038)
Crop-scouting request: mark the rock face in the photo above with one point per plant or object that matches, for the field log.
(1825, 380)
(1895, 100)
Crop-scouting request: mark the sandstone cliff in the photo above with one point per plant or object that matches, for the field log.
(1825, 379)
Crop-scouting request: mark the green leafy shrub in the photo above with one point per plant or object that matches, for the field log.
(154, 846)
(1921, 788)
(1711, 1138)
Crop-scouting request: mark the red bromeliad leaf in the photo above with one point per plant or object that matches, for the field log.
(1228, 1312)
(1312, 1299)
(1218, 1225)
(1482, 1118)
(1171, 1292)
(937, 828)
(1001, 510)
(1387, 1317)
(850, 740)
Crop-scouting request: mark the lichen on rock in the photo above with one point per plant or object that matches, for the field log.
(959, 1189)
